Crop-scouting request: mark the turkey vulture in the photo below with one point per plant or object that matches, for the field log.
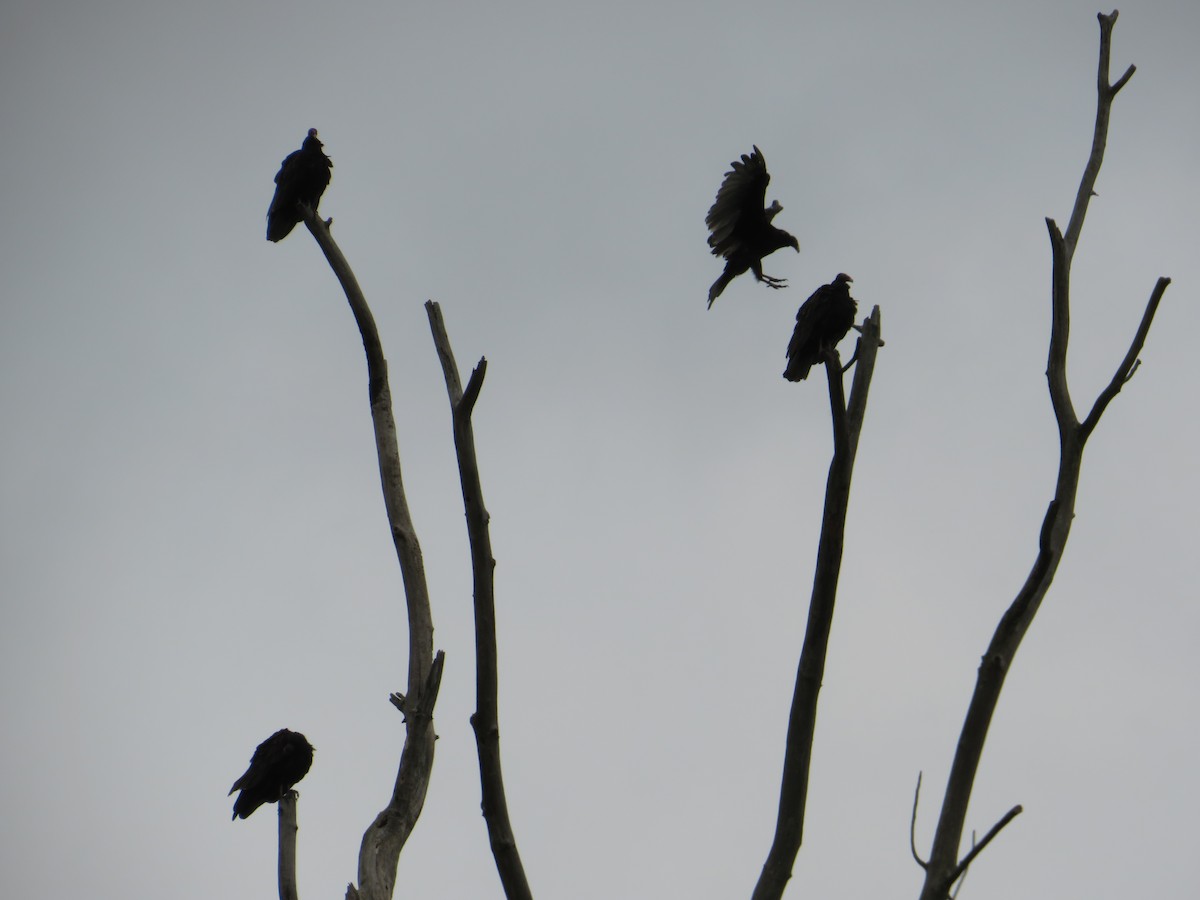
(302, 178)
(278, 763)
(741, 229)
(822, 321)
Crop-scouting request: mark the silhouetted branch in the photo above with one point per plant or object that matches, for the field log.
(287, 846)
(1130, 363)
(793, 794)
(385, 838)
(976, 849)
(942, 868)
(912, 825)
(486, 720)
(1105, 93)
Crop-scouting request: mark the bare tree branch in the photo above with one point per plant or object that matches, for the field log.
(287, 846)
(912, 825)
(976, 849)
(486, 720)
(793, 794)
(1130, 363)
(942, 868)
(1105, 93)
(386, 836)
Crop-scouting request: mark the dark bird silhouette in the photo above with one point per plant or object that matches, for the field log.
(740, 228)
(822, 321)
(302, 179)
(278, 763)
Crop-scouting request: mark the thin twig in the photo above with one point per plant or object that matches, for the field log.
(1130, 363)
(912, 826)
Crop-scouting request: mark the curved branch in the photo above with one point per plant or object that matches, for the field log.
(384, 839)
(486, 720)
(912, 825)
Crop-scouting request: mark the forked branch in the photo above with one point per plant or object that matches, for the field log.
(793, 793)
(486, 720)
(943, 866)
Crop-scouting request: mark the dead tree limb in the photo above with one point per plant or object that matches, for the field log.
(486, 720)
(287, 846)
(793, 794)
(943, 866)
(386, 836)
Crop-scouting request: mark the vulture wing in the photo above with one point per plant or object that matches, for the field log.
(738, 211)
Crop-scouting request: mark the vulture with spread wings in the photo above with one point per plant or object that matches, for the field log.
(740, 227)
(278, 763)
(302, 179)
(822, 321)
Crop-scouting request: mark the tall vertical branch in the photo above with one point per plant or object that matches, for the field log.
(802, 721)
(384, 839)
(943, 866)
(486, 720)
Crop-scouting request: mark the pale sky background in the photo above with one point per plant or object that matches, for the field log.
(193, 551)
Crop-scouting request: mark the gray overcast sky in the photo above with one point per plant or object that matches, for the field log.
(192, 544)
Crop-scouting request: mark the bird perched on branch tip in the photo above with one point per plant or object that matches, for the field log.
(740, 228)
(823, 320)
(301, 179)
(277, 764)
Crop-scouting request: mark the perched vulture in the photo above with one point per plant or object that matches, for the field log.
(278, 763)
(302, 178)
(822, 321)
(740, 228)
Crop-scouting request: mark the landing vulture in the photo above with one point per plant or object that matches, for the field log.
(740, 227)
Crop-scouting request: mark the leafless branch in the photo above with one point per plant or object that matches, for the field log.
(847, 419)
(976, 849)
(385, 838)
(943, 868)
(1105, 93)
(287, 846)
(1130, 363)
(486, 720)
(912, 825)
